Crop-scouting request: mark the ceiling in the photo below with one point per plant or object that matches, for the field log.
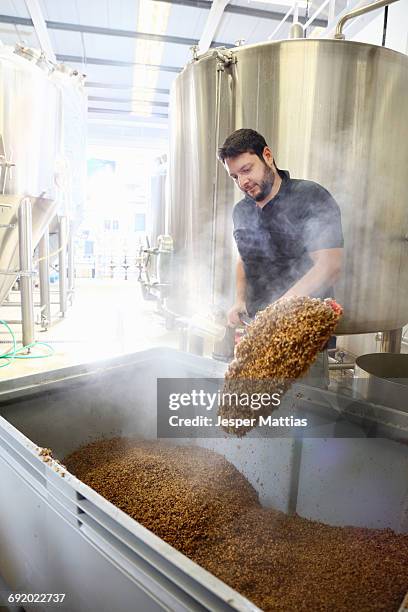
(132, 50)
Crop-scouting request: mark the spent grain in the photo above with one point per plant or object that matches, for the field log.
(279, 346)
(198, 502)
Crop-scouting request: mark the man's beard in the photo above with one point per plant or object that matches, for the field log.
(266, 184)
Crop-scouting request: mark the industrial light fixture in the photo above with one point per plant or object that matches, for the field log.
(153, 18)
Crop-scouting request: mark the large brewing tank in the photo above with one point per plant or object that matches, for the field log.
(39, 140)
(30, 123)
(333, 111)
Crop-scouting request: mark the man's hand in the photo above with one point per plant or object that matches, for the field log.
(233, 316)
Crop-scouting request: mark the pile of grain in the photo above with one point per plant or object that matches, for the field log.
(180, 493)
(279, 346)
(199, 503)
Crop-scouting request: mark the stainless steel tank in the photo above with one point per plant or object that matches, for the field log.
(31, 140)
(332, 111)
(30, 125)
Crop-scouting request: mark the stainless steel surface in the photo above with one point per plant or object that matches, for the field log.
(340, 122)
(44, 274)
(29, 129)
(5, 165)
(356, 13)
(342, 366)
(62, 262)
(391, 341)
(382, 378)
(42, 211)
(164, 259)
(199, 235)
(29, 124)
(25, 246)
(42, 130)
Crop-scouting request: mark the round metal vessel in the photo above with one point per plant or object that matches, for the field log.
(333, 112)
(42, 134)
(383, 379)
(30, 125)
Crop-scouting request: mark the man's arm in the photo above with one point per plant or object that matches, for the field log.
(239, 307)
(324, 272)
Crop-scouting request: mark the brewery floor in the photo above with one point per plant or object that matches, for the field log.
(108, 317)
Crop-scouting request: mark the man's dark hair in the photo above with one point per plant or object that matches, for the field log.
(242, 141)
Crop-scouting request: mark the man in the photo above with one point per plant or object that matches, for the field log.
(288, 231)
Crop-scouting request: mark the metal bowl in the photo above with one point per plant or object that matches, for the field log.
(382, 378)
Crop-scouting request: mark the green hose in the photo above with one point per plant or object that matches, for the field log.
(14, 352)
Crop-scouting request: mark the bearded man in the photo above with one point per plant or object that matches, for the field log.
(288, 231)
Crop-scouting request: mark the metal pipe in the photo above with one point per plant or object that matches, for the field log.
(25, 247)
(391, 341)
(295, 13)
(13, 322)
(44, 254)
(342, 366)
(37, 304)
(296, 31)
(384, 37)
(356, 13)
(71, 264)
(62, 258)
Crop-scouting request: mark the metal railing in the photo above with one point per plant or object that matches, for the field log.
(353, 9)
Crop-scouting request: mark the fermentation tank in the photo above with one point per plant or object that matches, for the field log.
(30, 124)
(41, 133)
(334, 112)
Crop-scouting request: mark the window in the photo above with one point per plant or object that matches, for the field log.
(140, 222)
(111, 224)
(88, 248)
